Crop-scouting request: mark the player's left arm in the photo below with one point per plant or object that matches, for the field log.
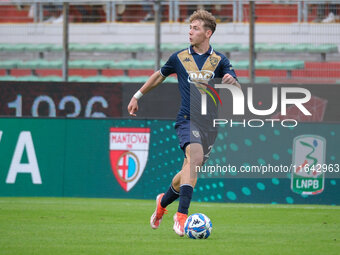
(229, 75)
(229, 79)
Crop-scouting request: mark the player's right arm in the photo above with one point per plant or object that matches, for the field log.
(155, 79)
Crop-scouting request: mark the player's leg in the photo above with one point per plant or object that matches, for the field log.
(173, 192)
(164, 199)
(157, 215)
(176, 181)
(194, 155)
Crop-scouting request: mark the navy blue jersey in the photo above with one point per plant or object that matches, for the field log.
(193, 71)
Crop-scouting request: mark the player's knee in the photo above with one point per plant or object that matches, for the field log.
(194, 154)
(196, 158)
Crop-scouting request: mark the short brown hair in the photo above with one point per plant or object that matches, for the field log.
(207, 18)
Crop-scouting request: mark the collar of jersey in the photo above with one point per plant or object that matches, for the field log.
(209, 52)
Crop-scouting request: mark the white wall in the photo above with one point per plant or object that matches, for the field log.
(174, 33)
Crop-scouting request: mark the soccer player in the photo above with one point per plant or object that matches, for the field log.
(195, 67)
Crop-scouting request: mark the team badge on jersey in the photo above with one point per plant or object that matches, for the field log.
(213, 61)
(196, 133)
(129, 149)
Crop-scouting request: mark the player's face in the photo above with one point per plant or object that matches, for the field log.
(197, 33)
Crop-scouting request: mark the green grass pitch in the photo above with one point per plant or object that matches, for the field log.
(68, 226)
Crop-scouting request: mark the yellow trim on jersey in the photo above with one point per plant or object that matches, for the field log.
(190, 66)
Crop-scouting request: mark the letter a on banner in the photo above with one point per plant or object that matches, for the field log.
(129, 149)
(24, 141)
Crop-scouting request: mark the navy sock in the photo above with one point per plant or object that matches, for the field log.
(185, 195)
(170, 196)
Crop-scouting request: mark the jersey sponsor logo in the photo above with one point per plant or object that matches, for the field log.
(129, 149)
(187, 60)
(203, 75)
(309, 152)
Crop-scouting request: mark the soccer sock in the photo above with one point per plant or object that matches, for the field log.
(185, 195)
(170, 196)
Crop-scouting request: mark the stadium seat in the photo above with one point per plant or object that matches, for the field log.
(7, 78)
(9, 64)
(28, 78)
(288, 65)
(107, 47)
(76, 64)
(13, 47)
(244, 64)
(227, 47)
(257, 80)
(295, 48)
(139, 79)
(4, 46)
(119, 79)
(89, 47)
(33, 64)
(258, 47)
(39, 64)
(132, 64)
(41, 47)
(171, 47)
(134, 47)
(95, 79)
(271, 47)
(323, 49)
(125, 64)
(99, 64)
(56, 47)
(51, 78)
(171, 79)
(75, 78)
(268, 64)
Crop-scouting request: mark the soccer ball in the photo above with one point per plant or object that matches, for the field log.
(198, 226)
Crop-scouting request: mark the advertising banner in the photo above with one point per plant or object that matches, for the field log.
(127, 158)
(57, 99)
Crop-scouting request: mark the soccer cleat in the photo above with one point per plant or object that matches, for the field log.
(179, 220)
(157, 216)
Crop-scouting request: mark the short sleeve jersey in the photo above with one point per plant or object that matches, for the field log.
(193, 68)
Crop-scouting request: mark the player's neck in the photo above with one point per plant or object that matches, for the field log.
(201, 48)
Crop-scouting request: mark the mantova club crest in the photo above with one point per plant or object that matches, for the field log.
(129, 149)
(309, 155)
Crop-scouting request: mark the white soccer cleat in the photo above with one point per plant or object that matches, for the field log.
(179, 220)
(157, 216)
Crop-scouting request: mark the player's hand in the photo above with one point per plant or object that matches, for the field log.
(133, 106)
(227, 78)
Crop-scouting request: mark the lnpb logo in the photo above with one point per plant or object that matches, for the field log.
(129, 149)
(309, 154)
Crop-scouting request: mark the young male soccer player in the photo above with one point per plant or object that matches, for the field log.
(193, 65)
